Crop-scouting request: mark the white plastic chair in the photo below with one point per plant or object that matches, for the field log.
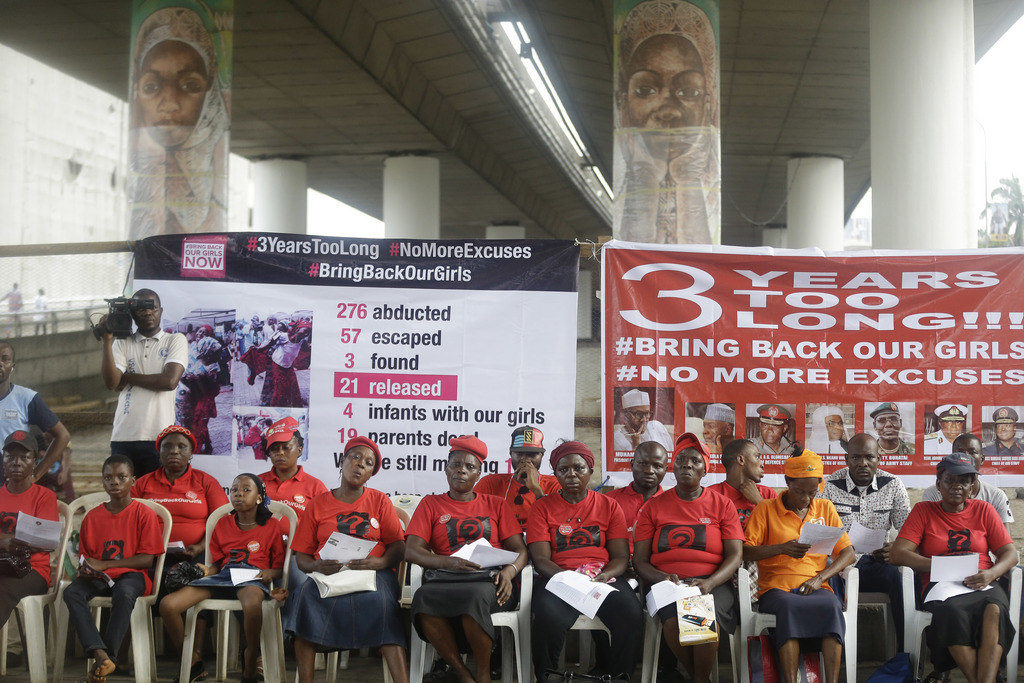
(653, 637)
(752, 623)
(31, 609)
(915, 621)
(141, 622)
(517, 623)
(272, 634)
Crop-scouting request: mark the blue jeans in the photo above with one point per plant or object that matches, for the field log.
(127, 588)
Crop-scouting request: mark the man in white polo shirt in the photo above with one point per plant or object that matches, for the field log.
(145, 368)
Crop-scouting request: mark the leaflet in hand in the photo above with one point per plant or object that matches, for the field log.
(344, 548)
(176, 547)
(241, 575)
(83, 561)
(866, 540)
(821, 538)
(484, 554)
(944, 590)
(665, 593)
(954, 567)
(37, 533)
(578, 591)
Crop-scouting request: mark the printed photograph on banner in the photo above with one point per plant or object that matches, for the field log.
(204, 396)
(717, 424)
(827, 429)
(251, 424)
(941, 425)
(1001, 434)
(271, 367)
(892, 423)
(772, 428)
(643, 414)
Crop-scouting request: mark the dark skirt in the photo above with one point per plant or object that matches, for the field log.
(957, 621)
(816, 615)
(727, 612)
(349, 622)
(475, 599)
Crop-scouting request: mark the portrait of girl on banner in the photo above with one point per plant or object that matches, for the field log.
(179, 118)
(667, 170)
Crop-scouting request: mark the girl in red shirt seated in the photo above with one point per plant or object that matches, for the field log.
(443, 612)
(247, 538)
(580, 530)
(699, 541)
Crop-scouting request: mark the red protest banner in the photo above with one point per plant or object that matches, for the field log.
(914, 348)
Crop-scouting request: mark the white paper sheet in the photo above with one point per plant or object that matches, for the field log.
(345, 548)
(578, 591)
(103, 575)
(943, 590)
(821, 538)
(37, 533)
(954, 567)
(665, 593)
(866, 540)
(176, 546)
(241, 575)
(484, 554)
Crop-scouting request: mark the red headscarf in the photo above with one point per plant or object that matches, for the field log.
(470, 444)
(177, 429)
(569, 448)
(690, 440)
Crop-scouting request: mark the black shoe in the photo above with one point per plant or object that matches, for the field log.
(14, 660)
(197, 673)
(442, 673)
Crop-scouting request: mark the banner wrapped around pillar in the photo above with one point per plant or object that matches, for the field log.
(667, 170)
(180, 112)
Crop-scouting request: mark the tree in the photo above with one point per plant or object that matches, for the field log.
(1009, 191)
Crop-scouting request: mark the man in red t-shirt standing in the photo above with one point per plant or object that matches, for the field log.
(649, 464)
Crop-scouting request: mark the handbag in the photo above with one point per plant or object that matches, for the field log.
(344, 581)
(452, 576)
(764, 665)
(16, 562)
(181, 575)
(895, 670)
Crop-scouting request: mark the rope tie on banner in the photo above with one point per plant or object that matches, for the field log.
(593, 246)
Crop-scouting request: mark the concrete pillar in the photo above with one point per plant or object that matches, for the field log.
(506, 232)
(279, 196)
(922, 124)
(412, 197)
(774, 237)
(814, 209)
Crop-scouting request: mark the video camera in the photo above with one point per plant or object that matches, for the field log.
(119, 317)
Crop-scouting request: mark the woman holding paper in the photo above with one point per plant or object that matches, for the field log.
(793, 583)
(248, 538)
(354, 620)
(579, 530)
(447, 612)
(700, 542)
(971, 630)
(19, 494)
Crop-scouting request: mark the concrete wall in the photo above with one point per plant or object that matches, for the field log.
(60, 365)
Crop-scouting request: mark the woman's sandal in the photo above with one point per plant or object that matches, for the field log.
(100, 671)
(198, 672)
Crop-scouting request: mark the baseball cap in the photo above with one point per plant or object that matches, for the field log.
(527, 439)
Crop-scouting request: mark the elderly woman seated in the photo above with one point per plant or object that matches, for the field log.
(793, 583)
(969, 630)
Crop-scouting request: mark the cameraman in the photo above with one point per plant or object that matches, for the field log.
(145, 368)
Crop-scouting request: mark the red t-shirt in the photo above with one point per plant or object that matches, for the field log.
(743, 506)
(260, 546)
(978, 529)
(686, 535)
(630, 501)
(191, 499)
(37, 501)
(447, 525)
(579, 532)
(502, 485)
(296, 492)
(371, 517)
(136, 530)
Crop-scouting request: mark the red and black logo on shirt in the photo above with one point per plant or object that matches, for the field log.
(463, 531)
(8, 520)
(674, 536)
(584, 537)
(354, 524)
(113, 550)
(238, 556)
(959, 541)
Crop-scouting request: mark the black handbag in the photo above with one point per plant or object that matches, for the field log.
(181, 575)
(16, 562)
(452, 576)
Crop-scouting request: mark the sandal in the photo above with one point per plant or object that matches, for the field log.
(198, 672)
(101, 670)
